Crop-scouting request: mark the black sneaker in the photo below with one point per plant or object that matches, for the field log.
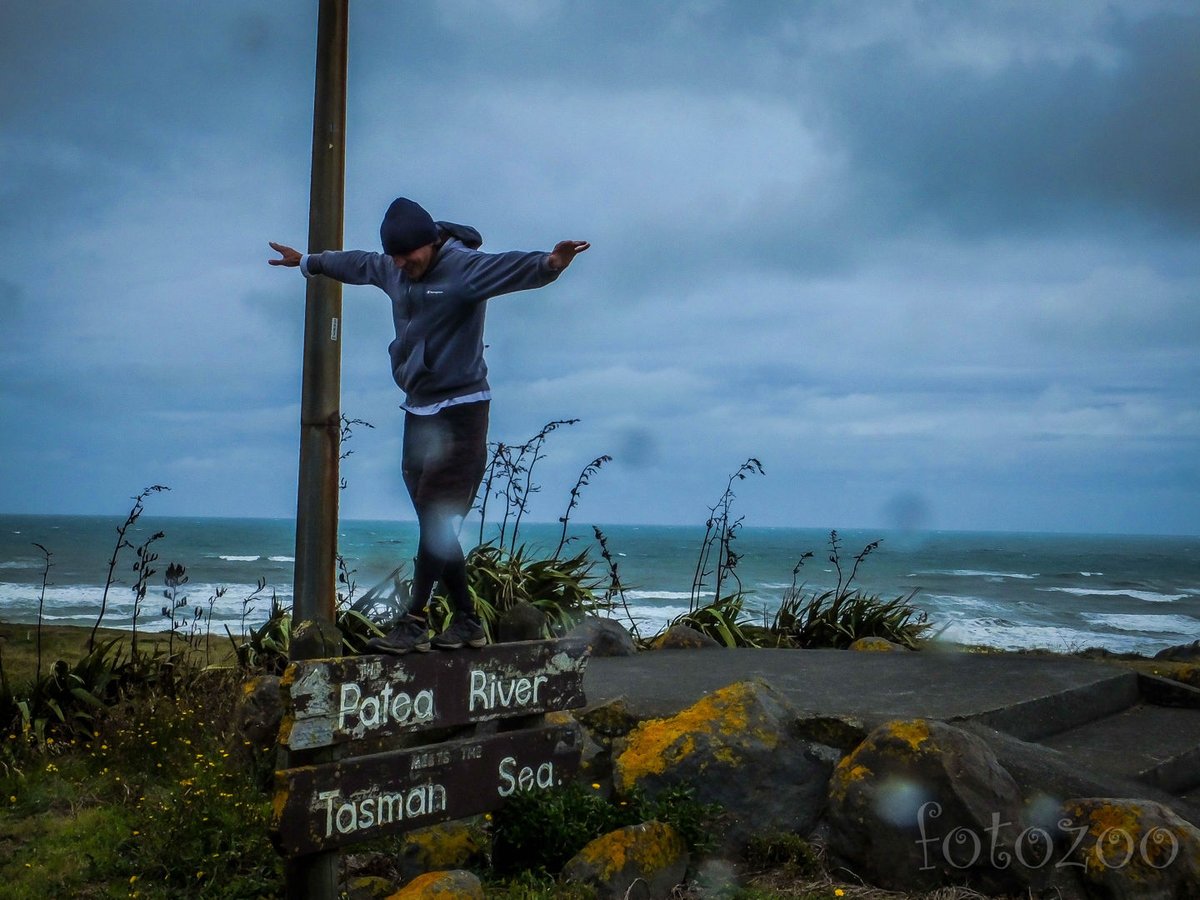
(411, 634)
(461, 632)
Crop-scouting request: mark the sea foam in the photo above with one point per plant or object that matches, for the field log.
(1149, 596)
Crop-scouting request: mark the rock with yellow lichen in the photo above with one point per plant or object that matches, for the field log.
(737, 747)
(644, 862)
(608, 720)
(877, 645)
(841, 731)
(367, 887)
(920, 805)
(683, 637)
(1131, 850)
(460, 844)
(454, 885)
(1186, 674)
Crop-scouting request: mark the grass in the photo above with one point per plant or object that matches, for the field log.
(18, 646)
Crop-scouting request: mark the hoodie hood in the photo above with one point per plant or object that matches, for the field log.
(465, 233)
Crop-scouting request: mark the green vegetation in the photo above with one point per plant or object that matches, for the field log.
(149, 798)
(786, 851)
(540, 831)
(723, 618)
(499, 579)
(840, 616)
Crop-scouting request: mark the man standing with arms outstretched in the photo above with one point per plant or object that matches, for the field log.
(439, 283)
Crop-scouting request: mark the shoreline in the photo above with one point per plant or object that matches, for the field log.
(18, 649)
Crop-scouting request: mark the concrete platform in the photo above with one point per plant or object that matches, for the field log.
(1097, 714)
(873, 687)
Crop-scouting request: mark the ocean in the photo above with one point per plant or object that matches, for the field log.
(1061, 592)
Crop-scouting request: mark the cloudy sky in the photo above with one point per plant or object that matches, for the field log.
(933, 263)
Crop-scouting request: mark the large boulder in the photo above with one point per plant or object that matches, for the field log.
(603, 637)
(641, 862)
(1131, 850)
(877, 645)
(845, 732)
(919, 805)
(453, 885)
(1181, 652)
(1186, 674)
(521, 622)
(738, 748)
(608, 720)
(1047, 778)
(366, 887)
(683, 637)
(449, 846)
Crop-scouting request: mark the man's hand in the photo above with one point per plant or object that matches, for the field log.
(562, 254)
(291, 258)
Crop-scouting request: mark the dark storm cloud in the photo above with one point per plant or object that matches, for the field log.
(1038, 144)
(1001, 118)
(108, 95)
(902, 249)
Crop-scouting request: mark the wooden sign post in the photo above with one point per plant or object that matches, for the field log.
(336, 702)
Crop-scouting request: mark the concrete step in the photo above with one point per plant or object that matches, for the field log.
(1158, 745)
(1064, 708)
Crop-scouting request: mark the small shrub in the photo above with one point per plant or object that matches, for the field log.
(63, 703)
(535, 886)
(564, 588)
(265, 648)
(784, 850)
(540, 831)
(722, 620)
(837, 618)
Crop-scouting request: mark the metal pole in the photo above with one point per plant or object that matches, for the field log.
(320, 414)
(314, 877)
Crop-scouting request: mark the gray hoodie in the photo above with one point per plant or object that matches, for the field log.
(438, 350)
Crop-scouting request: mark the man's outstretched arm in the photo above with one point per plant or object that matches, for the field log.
(346, 266)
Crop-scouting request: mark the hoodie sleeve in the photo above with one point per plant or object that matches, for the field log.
(348, 266)
(492, 274)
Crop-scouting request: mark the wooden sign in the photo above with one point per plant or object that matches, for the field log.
(338, 700)
(322, 807)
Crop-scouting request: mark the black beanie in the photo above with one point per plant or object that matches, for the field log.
(406, 226)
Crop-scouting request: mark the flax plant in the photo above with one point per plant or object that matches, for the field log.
(41, 605)
(122, 543)
(584, 479)
(616, 587)
(717, 557)
(838, 617)
(145, 559)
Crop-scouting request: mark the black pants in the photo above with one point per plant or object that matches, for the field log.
(444, 458)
